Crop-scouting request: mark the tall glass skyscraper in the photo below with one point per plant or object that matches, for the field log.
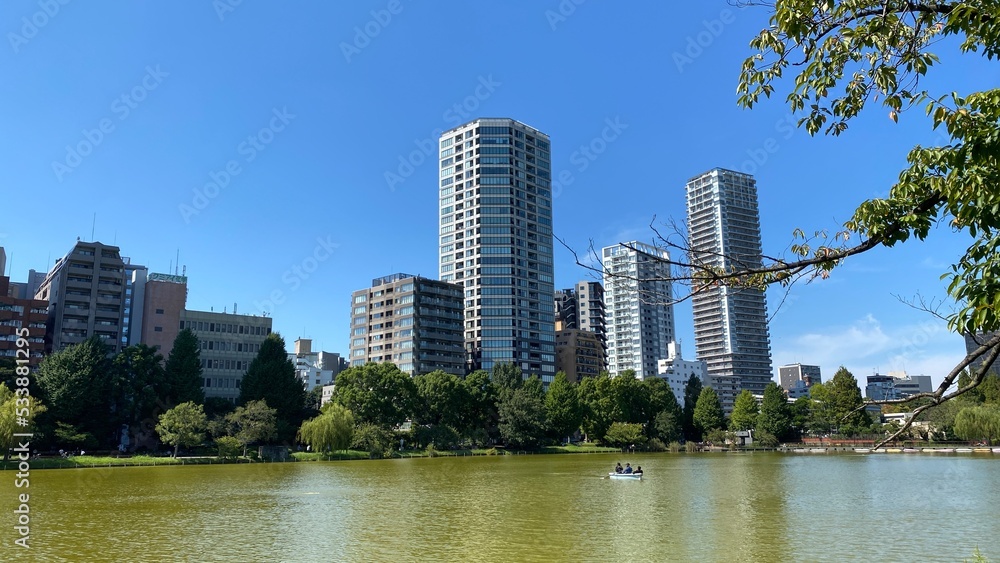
(730, 324)
(496, 241)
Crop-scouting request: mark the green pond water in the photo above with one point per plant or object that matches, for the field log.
(694, 507)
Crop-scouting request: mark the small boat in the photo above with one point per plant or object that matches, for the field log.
(963, 450)
(942, 450)
(911, 451)
(862, 450)
(893, 450)
(817, 450)
(983, 451)
(632, 476)
(996, 450)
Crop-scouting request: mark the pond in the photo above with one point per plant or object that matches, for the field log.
(688, 507)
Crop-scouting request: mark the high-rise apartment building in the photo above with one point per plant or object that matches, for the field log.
(730, 323)
(637, 301)
(229, 342)
(582, 307)
(413, 322)
(86, 294)
(495, 218)
(579, 353)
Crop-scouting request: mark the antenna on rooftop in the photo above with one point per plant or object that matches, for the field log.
(93, 227)
(178, 262)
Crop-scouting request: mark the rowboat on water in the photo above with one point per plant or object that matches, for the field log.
(632, 476)
(863, 450)
(943, 450)
(963, 450)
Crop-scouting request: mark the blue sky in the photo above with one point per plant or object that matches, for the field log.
(264, 141)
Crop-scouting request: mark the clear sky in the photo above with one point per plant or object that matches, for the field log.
(264, 143)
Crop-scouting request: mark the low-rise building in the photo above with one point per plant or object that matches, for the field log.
(677, 371)
(896, 385)
(790, 375)
(315, 369)
(22, 319)
(229, 342)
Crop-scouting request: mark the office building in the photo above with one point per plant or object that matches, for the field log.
(638, 306)
(315, 369)
(972, 342)
(730, 323)
(411, 321)
(678, 371)
(896, 385)
(789, 375)
(229, 342)
(495, 218)
(21, 319)
(164, 298)
(85, 290)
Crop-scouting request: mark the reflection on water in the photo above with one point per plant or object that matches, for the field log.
(701, 507)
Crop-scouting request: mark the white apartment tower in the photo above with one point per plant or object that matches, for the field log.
(639, 317)
(496, 241)
(730, 324)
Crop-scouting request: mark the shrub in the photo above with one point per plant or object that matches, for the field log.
(656, 445)
(690, 447)
(765, 440)
(229, 447)
(675, 447)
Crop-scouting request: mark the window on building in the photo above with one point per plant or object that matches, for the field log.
(159, 311)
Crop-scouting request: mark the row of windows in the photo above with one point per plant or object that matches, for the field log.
(230, 346)
(202, 326)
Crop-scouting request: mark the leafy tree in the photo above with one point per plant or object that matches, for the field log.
(72, 436)
(252, 423)
(563, 412)
(183, 425)
(271, 378)
(630, 398)
(978, 423)
(480, 413)
(376, 394)
(507, 377)
(598, 405)
(442, 399)
(332, 430)
(692, 390)
(849, 54)
(745, 411)
(377, 440)
(624, 434)
(667, 426)
(78, 391)
(140, 387)
(16, 407)
(183, 370)
(522, 415)
(708, 413)
(800, 411)
(843, 401)
(775, 416)
(229, 447)
(661, 399)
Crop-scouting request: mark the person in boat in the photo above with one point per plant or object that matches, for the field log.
(628, 469)
(638, 470)
(618, 467)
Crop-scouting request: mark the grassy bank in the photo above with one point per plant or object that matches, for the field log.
(73, 462)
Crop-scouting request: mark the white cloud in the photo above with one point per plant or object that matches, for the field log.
(866, 346)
